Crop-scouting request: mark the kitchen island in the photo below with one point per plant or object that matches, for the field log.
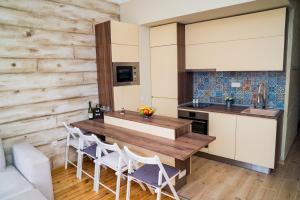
(173, 149)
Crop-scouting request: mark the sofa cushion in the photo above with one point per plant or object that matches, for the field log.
(2, 157)
(12, 183)
(30, 195)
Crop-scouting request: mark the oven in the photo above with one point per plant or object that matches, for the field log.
(126, 73)
(199, 120)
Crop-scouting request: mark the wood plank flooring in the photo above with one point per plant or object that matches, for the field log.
(210, 180)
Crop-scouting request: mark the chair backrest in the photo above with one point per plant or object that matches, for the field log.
(104, 148)
(72, 133)
(84, 140)
(146, 160)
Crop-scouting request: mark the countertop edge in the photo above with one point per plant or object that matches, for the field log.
(232, 112)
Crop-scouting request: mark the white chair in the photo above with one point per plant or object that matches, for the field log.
(153, 173)
(73, 135)
(111, 156)
(87, 147)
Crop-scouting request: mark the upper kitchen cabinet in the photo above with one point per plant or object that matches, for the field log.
(124, 53)
(124, 42)
(252, 42)
(124, 33)
(163, 35)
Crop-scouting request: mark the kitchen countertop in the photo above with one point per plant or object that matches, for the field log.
(155, 120)
(235, 110)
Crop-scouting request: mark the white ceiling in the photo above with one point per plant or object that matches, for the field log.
(157, 12)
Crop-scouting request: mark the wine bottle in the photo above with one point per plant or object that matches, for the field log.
(90, 111)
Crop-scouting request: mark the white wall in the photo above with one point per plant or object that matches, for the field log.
(148, 11)
(292, 98)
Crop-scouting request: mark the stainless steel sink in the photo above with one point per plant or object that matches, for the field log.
(261, 112)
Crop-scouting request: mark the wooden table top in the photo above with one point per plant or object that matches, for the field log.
(182, 148)
(155, 120)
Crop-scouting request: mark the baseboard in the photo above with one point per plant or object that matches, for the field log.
(257, 168)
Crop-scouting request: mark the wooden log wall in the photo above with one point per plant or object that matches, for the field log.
(47, 69)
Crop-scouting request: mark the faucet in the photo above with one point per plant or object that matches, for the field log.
(261, 95)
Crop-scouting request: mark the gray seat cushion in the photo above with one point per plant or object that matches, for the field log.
(149, 174)
(91, 150)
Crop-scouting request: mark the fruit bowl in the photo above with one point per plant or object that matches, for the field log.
(146, 111)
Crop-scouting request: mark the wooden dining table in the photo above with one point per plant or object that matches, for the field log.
(181, 148)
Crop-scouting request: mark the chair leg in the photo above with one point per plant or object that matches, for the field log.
(118, 185)
(158, 197)
(79, 165)
(128, 188)
(67, 157)
(142, 185)
(97, 177)
(173, 191)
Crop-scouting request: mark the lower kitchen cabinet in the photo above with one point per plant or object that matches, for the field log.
(165, 106)
(256, 140)
(223, 127)
(127, 97)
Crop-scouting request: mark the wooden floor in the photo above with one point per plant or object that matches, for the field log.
(210, 180)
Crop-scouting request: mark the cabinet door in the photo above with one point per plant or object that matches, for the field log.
(164, 71)
(124, 33)
(124, 53)
(223, 127)
(165, 107)
(127, 97)
(132, 97)
(259, 54)
(255, 25)
(256, 140)
(118, 98)
(163, 35)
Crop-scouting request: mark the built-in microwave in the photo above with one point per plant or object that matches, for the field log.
(126, 73)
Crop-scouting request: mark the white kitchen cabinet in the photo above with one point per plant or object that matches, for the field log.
(124, 33)
(255, 25)
(124, 42)
(252, 42)
(165, 57)
(163, 35)
(165, 106)
(260, 54)
(256, 140)
(223, 127)
(127, 97)
(164, 73)
(124, 53)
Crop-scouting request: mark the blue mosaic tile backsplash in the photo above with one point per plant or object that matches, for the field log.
(213, 87)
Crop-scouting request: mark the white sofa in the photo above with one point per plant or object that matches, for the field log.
(29, 178)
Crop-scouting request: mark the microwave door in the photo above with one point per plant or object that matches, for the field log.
(124, 74)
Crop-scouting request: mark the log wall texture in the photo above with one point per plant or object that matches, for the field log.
(47, 69)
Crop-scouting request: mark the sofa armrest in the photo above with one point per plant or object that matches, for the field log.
(34, 166)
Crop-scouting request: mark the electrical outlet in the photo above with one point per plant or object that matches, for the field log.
(235, 84)
(182, 174)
